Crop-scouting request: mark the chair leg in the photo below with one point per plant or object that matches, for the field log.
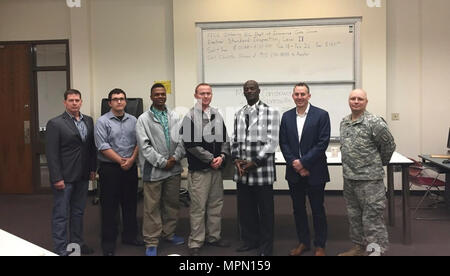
(429, 192)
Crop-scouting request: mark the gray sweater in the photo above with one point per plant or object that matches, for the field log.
(153, 151)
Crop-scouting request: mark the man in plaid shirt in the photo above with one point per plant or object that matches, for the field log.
(254, 141)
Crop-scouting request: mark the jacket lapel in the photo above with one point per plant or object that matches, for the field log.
(69, 122)
(293, 123)
(308, 120)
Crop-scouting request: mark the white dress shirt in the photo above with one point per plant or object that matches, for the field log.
(252, 108)
(301, 118)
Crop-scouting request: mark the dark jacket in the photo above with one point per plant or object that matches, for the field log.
(69, 158)
(313, 144)
(204, 138)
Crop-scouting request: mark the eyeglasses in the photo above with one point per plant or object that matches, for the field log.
(118, 99)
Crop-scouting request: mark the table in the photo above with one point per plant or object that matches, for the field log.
(396, 160)
(440, 167)
(11, 245)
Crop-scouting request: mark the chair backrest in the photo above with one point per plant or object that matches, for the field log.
(416, 168)
(417, 176)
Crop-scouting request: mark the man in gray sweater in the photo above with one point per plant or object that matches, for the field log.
(160, 152)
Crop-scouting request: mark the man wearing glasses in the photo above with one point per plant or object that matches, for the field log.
(115, 138)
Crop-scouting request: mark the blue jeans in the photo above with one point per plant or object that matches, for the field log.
(68, 210)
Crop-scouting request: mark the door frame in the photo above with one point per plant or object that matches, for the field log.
(37, 147)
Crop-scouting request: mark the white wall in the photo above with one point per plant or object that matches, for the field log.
(33, 20)
(132, 46)
(418, 71)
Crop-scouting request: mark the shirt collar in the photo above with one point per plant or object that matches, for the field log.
(306, 111)
(157, 111)
(253, 107)
(73, 117)
(348, 119)
(111, 115)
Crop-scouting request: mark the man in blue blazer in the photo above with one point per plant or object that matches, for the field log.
(304, 138)
(71, 157)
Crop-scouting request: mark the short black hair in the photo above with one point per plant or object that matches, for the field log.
(71, 92)
(116, 91)
(303, 84)
(156, 85)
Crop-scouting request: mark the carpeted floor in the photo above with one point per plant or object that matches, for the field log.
(29, 218)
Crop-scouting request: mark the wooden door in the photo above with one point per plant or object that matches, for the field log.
(15, 120)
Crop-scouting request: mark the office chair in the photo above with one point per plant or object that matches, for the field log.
(425, 177)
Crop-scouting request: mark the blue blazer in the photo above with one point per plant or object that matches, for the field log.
(313, 144)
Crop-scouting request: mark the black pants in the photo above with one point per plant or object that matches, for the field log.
(256, 216)
(117, 188)
(315, 194)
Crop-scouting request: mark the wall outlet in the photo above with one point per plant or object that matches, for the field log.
(395, 116)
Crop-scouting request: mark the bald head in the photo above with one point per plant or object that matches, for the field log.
(359, 92)
(358, 101)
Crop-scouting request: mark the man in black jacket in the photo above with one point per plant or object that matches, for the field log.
(206, 142)
(71, 157)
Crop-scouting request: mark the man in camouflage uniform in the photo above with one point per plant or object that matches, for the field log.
(366, 146)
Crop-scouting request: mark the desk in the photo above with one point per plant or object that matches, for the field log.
(442, 168)
(397, 159)
(11, 245)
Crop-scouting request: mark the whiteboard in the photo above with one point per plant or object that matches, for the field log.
(321, 53)
(332, 98)
(325, 53)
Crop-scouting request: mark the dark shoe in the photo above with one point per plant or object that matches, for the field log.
(219, 243)
(299, 250)
(320, 252)
(246, 247)
(194, 251)
(135, 242)
(86, 250)
(108, 253)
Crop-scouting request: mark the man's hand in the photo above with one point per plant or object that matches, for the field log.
(59, 185)
(249, 166)
(239, 163)
(297, 165)
(126, 163)
(216, 162)
(304, 172)
(170, 163)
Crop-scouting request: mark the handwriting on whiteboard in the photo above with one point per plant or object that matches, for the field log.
(264, 44)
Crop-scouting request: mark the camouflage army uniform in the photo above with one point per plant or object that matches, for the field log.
(366, 146)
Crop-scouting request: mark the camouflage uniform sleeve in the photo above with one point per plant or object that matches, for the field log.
(384, 141)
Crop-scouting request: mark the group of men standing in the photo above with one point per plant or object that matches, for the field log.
(161, 140)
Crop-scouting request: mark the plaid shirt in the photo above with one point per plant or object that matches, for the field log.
(255, 138)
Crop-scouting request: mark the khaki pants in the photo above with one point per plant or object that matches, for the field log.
(161, 206)
(206, 193)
